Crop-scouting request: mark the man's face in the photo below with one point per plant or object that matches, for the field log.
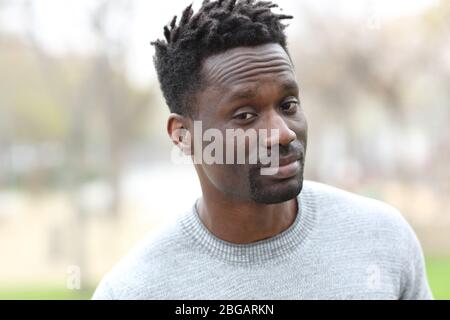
(253, 88)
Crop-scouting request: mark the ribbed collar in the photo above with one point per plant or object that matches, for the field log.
(275, 247)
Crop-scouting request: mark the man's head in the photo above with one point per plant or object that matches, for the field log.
(228, 67)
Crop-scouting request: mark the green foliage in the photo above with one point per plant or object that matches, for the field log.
(438, 269)
(42, 292)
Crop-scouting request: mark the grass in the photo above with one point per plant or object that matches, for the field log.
(43, 292)
(438, 270)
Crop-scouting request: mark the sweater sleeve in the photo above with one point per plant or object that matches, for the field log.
(414, 277)
(103, 291)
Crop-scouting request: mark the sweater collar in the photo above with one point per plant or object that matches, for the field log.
(278, 246)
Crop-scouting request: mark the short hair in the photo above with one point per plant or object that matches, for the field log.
(216, 27)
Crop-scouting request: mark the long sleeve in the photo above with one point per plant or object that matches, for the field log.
(415, 282)
(103, 291)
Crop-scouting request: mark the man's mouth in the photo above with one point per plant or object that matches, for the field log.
(288, 170)
(287, 167)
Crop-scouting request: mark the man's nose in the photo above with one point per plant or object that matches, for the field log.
(283, 135)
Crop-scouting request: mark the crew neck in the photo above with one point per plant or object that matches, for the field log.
(276, 247)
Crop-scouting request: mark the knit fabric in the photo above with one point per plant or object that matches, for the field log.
(340, 246)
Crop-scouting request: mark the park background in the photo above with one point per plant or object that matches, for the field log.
(85, 165)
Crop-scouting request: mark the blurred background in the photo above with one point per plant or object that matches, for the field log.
(85, 166)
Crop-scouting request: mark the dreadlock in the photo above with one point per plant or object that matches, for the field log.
(217, 26)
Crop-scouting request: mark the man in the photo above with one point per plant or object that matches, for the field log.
(256, 235)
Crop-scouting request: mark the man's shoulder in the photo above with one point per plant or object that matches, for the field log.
(365, 225)
(153, 255)
(340, 207)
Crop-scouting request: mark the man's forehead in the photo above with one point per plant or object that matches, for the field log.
(245, 63)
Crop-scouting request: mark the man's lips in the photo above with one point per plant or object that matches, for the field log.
(288, 167)
(288, 160)
(288, 170)
(283, 161)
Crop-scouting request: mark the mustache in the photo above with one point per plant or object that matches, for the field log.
(292, 151)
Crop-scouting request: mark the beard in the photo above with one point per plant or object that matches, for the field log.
(265, 190)
(269, 190)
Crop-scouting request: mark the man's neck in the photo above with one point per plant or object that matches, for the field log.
(245, 222)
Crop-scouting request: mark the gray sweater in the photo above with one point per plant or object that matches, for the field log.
(340, 246)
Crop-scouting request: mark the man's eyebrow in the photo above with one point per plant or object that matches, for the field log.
(289, 86)
(252, 92)
(247, 93)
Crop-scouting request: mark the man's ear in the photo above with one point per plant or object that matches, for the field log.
(177, 128)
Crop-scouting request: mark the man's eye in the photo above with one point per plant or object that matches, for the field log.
(244, 116)
(290, 106)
